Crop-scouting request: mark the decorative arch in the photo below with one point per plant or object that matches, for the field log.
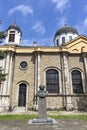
(23, 81)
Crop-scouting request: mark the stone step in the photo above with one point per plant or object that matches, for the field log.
(20, 109)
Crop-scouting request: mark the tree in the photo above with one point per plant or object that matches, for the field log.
(2, 55)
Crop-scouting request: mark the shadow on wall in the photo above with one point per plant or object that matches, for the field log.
(82, 103)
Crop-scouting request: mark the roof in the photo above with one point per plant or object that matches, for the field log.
(66, 29)
(14, 26)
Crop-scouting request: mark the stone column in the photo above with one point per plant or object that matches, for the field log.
(85, 64)
(85, 68)
(38, 69)
(37, 77)
(67, 98)
(10, 74)
(6, 71)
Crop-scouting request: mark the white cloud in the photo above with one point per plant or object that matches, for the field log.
(39, 27)
(85, 22)
(82, 27)
(61, 4)
(24, 9)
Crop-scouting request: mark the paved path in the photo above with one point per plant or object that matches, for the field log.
(62, 125)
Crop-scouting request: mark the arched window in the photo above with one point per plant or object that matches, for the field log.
(22, 94)
(57, 42)
(52, 81)
(63, 39)
(70, 38)
(77, 81)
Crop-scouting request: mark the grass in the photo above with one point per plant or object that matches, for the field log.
(69, 117)
(27, 117)
(17, 117)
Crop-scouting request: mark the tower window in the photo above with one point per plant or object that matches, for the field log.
(70, 38)
(63, 39)
(12, 36)
(57, 42)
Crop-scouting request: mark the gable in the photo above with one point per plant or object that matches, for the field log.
(77, 45)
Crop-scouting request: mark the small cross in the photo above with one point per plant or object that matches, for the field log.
(0, 21)
(65, 23)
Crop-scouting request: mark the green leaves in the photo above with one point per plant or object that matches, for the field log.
(2, 54)
(2, 35)
(2, 76)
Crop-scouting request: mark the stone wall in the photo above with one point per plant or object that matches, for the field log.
(54, 102)
(79, 102)
(48, 61)
(23, 76)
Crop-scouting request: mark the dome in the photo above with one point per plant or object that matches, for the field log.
(66, 29)
(14, 26)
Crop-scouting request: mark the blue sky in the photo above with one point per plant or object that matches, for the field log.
(40, 19)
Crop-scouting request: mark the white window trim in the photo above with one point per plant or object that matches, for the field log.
(60, 83)
(82, 75)
(27, 91)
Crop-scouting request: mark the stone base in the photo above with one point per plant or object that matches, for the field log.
(47, 121)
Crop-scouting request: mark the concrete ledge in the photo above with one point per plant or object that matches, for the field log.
(47, 121)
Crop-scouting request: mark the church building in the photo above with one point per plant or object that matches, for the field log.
(62, 68)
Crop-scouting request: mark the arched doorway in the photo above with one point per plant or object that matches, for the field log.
(22, 94)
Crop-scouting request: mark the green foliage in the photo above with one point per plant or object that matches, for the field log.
(2, 76)
(2, 36)
(2, 55)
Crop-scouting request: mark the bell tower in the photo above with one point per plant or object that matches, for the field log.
(14, 35)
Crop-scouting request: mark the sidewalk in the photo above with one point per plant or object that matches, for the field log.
(48, 112)
(62, 125)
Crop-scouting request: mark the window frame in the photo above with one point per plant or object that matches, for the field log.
(63, 39)
(70, 38)
(22, 92)
(81, 87)
(56, 90)
(23, 67)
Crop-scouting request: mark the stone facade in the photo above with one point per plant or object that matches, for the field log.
(63, 59)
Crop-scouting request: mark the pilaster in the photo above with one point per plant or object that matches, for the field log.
(6, 71)
(65, 71)
(85, 68)
(10, 74)
(37, 73)
(38, 69)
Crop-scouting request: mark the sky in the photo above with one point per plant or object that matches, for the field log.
(40, 19)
